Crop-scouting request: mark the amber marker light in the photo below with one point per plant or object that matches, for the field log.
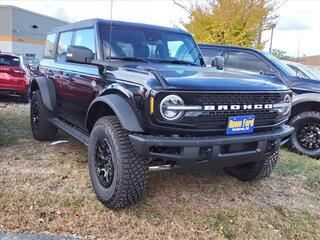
(151, 105)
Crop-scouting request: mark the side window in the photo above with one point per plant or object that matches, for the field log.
(65, 40)
(245, 62)
(298, 72)
(209, 54)
(49, 47)
(85, 38)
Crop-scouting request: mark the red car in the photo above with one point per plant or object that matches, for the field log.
(14, 76)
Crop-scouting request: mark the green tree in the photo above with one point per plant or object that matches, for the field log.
(281, 54)
(231, 22)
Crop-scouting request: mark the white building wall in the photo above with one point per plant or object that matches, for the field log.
(24, 32)
(28, 48)
(5, 46)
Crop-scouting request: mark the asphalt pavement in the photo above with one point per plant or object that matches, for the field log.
(34, 236)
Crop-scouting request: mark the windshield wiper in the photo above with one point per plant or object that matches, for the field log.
(178, 62)
(136, 59)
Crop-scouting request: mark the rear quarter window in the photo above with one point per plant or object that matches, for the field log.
(49, 47)
(11, 61)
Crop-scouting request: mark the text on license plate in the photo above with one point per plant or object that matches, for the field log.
(240, 124)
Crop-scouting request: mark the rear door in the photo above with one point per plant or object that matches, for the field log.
(83, 82)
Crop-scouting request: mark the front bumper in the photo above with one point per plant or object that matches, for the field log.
(219, 150)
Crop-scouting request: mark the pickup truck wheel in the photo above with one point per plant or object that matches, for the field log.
(118, 174)
(42, 129)
(306, 135)
(255, 171)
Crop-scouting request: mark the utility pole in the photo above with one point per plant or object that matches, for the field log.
(298, 52)
(273, 25)
(271, 40)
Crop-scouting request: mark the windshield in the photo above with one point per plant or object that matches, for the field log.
(11, 61)
(286, 69)
(150, 44)
(309, 72)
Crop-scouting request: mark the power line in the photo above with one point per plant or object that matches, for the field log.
(283, 3)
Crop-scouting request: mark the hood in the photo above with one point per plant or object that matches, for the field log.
(202, 78)
(303, 85)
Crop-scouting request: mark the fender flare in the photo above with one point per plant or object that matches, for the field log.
(305, 97)
(121, 108)
(47, 90)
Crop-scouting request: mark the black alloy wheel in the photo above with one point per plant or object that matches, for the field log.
(309, 136)
(104, 163)
(306, 135)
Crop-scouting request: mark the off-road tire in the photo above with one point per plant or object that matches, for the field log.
(130, 170)
(43, 130)
(256, 170)
(297, 122)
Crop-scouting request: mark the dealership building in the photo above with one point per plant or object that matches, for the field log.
(24, 32)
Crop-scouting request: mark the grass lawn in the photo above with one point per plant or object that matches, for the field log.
(46, 188)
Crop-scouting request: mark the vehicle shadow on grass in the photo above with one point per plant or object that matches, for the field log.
(10, 100)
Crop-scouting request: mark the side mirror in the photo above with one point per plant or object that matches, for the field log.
(79, 54)
(269, 73)
(218, 62)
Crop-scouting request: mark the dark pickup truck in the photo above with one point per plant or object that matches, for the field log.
(140, 98)
(305, 112)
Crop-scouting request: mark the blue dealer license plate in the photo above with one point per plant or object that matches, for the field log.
(240, 124)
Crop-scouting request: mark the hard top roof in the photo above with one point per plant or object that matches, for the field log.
(92, 22)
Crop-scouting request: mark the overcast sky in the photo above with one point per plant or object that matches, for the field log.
(299, 20)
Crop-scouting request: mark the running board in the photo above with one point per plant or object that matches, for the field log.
(71, 130)
(160, 168)
(84, 138)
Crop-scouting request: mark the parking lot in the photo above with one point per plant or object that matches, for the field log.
(46, 188)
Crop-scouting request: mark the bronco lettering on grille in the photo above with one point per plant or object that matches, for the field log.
(237, 107)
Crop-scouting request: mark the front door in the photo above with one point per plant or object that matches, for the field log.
(83, 81)
(82, 86)
(58, 71)
(244, 62)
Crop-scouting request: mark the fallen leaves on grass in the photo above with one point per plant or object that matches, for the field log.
(47, 189)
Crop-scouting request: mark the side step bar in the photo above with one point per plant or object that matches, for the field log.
(84, 138)
(71, 130)
(160, 168)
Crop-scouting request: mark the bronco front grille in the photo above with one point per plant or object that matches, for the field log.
(235, 98)
(218, 119)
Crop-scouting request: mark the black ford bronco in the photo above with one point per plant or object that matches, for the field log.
(140, 98)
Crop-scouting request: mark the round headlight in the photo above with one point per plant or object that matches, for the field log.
(284, 107)
(171, 101)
